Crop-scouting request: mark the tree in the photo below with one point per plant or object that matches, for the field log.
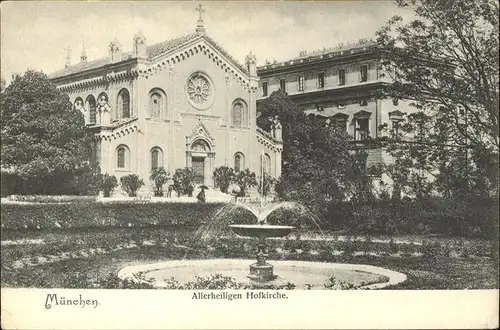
(447, 60)
(317, 157)
(43, 138)
(159, 176)
(223, 177)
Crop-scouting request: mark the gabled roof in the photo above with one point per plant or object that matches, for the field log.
(152, 52)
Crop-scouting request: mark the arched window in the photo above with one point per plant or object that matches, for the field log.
(79, 104)
(156, 158)
(266, 163)
(239, 162)
(238, 114)
(122, 157)
(124, 104)
(157, 103)
(90, 105)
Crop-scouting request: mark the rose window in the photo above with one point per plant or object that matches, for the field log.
(199, 91)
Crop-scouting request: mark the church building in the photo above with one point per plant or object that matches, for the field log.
(180, 103)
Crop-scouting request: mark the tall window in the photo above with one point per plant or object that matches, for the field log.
(239, 162)
(122, 154)
(124, 104)
(266, 163)
(264, 88)
(341, 76)
(321, 80)
(283, 85)
(238, 115)
(156, 158)
(91, 106)
(301, 83)
(362, 128)
(155, 105)
(364, 73)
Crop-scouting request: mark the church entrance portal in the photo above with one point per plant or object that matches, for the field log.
(198, 164)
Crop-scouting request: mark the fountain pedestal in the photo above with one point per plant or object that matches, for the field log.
(261, 271)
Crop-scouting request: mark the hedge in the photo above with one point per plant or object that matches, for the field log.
(475, 217)
(95, 214)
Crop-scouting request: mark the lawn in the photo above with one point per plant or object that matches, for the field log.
(85, 258)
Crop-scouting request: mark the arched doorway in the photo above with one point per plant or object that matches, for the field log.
(200, 161)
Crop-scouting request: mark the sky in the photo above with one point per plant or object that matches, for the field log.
(34, 35)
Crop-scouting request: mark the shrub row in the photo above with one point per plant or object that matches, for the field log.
(84, 215)
(471, 218)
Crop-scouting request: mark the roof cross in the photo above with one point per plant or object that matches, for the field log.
(200, 10)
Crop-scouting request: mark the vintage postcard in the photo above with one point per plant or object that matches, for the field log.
(249, 164)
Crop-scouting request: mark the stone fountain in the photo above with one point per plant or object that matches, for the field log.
(303, 274)
(261, 271)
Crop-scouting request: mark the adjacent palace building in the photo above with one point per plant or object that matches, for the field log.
(187, 103)
(339, 84)
(180, 103)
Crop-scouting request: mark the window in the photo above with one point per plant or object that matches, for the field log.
(321, 80)
(340, 121)
(364, 73)
(362, 128)
(122, 154)
(155, 105)
(238, 114)
(395, 126)
(301, 83)
(264, 88)
(341, 125)
(239, 162)
(124, 104)
(156, 158)
(341, 77)
(266, 163)
(396, 117)
(91, 106)
(283, 85)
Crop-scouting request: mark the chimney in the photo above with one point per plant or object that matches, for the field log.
(115, 51)
(83, 56)
(139, 45)
(67, 63)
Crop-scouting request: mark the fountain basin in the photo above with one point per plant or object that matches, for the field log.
(261, 231)
(300, 273)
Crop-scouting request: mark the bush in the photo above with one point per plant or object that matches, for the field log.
(107, 184)
(245, 179)
(159, 176)
(268, 183)
(183, 181)
(131, 183)
(223, 177)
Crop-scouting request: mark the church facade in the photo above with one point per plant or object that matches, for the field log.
(180, 103)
